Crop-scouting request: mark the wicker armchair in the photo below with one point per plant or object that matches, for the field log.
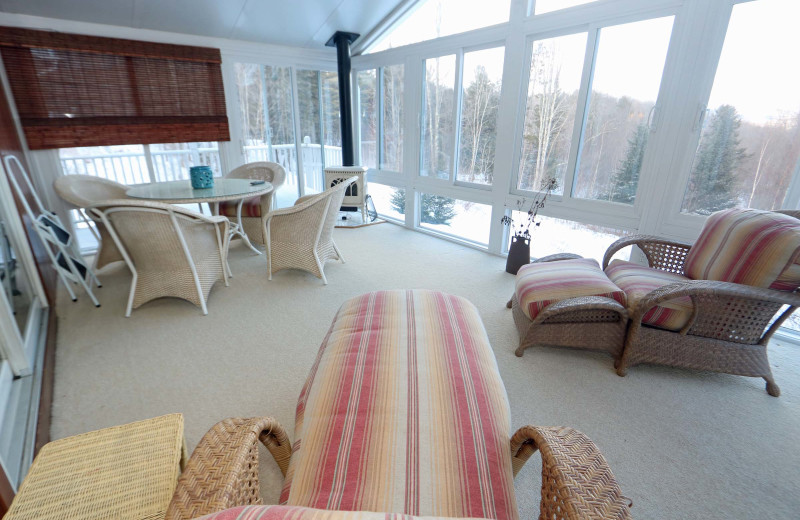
(729, 327)
(222, 472)
(83, 191)
(301, 237)
(171, 251)
(255, 210)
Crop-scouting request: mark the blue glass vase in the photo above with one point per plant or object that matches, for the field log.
(202, 177)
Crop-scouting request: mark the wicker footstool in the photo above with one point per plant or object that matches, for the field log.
(584, 310)
(124, 472)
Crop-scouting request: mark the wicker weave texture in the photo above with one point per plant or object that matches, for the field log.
(255, 227)
(590, 322)
(123, 472)
(665, 255)
(301, 237)
(577, 482)
(83, 191)
(223, 469)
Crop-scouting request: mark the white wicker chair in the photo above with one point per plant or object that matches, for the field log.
(171, 251)
(83, 191)
(301, 237)
(254, 213)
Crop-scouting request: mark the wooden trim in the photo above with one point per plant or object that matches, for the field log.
(6, 493)
(48, 379)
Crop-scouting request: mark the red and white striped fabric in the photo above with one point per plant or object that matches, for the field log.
(747, 246)
(539, 285)
(404, 412)
(637, 281)
(304, 513)
(250, 207)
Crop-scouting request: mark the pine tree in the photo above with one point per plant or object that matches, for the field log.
(713, 180)
(436, 209)
(626, 177)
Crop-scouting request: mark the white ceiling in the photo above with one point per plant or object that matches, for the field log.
(299, 23)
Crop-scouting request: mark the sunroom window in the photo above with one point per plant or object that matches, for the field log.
(437, 18)
(625, 82)
(749, 147)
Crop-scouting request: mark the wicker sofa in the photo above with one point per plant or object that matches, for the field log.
(403, 413)
(712, 305)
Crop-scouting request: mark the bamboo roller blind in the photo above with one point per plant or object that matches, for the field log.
(75, 90)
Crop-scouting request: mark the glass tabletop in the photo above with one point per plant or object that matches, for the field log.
(182, 190)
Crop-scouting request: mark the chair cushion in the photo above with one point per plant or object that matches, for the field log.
(304, 513)
(404, 412)
(540, 284)
(747, 246)
(250, 208)
(637, 281)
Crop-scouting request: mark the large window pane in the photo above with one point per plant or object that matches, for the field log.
(460, 218)
(310, 103)
(389, 201)
(556, 235)
(125, 163)
(480, 98)
(627, 74)
(368, 105)
(437, 18)
(392, 146)
(267, 115)
(280, 115)
(750, 140)
(436, 155)
(555, 77)
(331, 124)
(171, 162)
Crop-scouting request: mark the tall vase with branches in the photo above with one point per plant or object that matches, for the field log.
(519, 252)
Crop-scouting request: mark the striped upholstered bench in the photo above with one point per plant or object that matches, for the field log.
(403, 413)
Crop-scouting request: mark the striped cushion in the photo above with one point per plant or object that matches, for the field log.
(404, 412)
(539, 285)
(637, 281)
(304, 513)
(250, 208)
(747, 246)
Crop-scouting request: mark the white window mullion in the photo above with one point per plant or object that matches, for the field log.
(412, 105)
(581, 112)
(458, 92)
(301, 177)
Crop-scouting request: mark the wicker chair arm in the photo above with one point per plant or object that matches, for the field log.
(304, 198)
(666, 255)
(581, 303)
(723, 310)
(722, 291)
(577, 482)
(556, 257)
(223, 469)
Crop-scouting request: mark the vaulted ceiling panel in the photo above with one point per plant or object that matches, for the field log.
(301, 23)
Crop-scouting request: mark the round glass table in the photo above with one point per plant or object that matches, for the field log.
(181, 192)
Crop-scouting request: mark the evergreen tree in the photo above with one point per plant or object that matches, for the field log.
(435, 209)
(714, 174)
(626, 177)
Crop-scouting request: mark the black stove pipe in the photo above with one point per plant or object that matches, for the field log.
(342, 40)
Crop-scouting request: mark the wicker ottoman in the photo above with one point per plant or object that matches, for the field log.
(583, 309)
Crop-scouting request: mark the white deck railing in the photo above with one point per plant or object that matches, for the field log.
(170, 165)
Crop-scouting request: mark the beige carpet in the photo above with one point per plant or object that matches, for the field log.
(682, 444)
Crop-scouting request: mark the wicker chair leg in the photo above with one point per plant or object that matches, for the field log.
(577, 482)
(223, 470)
(509, 304)
(772, 389)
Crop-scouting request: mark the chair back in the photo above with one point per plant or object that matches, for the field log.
(87, 190)
(748, 246)
(267, 171)
(156, 235)
(336, 195)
